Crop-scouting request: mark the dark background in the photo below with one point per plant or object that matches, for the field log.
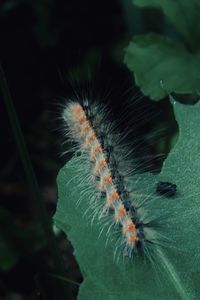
(49, 50)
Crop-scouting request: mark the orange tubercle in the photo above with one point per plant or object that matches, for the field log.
(92, 138)
(106, 180)
(82, 119)
(97, 150)
(77, 108)
(129, 227)
(112, 197)
(120, 213)
(101, 164)
(132, 239)
(86, 128)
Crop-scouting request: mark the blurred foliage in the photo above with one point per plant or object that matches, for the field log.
(155, 58)
(182, 14)
(17, 241)
(175, 62)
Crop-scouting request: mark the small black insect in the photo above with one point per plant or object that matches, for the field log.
(167, 189)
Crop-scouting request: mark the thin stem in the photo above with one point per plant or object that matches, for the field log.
(31, 179)
(64, 279)
(172, 275)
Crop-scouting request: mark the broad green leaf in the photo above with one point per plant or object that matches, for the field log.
(175, 272)
(183, 14)
(153, 58)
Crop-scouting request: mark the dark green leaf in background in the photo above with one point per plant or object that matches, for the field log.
(183, 14)
(154, 57)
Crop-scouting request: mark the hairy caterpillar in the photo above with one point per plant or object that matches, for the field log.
(110, 171)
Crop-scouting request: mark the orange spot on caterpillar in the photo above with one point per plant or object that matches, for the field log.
(82, 119)
(101, 164)
(113, 197)
(129, 227)
(86, 128)
(132, 239)
(92, 138)
(120, 213)
(77, 108)
(96, 150)
(106, 180)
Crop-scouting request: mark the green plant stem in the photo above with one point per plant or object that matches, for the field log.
(173, 276)
(32, 181)
(64, 279)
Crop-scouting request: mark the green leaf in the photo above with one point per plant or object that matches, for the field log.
(183, 14)
(174, 271)
(153, 58)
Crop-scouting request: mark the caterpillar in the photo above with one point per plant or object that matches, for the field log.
(89, 128)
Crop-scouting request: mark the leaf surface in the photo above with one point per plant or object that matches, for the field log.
(174, 272)
(183, 14)
(154, 58)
